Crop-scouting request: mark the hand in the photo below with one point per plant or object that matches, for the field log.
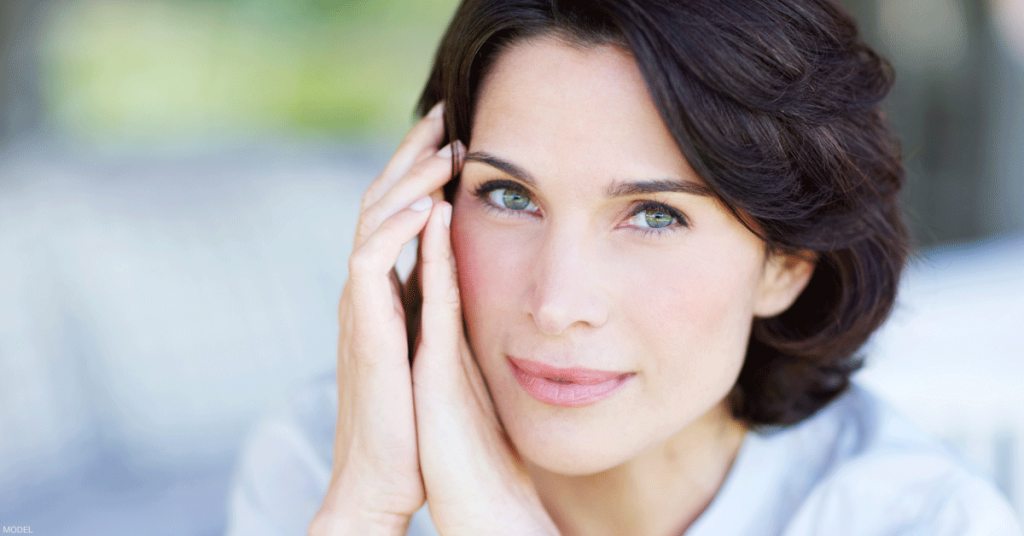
(475, 480)
(376, 483)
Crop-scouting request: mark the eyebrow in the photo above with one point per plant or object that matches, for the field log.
(615, 190)
(507, 168)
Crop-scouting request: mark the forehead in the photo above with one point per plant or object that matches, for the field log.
(578, 111)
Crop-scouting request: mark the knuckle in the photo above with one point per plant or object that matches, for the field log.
(369, 197)
(368, 223)
(428, 124)
(361, 262)
(421, 133)
(452, 297)
(417, 171)
(447, 294)
(429, 167)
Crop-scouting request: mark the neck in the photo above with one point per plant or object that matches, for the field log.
(660, 492)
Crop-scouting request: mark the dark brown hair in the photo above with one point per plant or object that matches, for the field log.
(775, 105)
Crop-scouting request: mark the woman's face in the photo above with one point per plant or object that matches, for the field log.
(608, 298)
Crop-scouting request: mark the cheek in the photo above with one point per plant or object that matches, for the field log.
(487, 266)
(696, 317)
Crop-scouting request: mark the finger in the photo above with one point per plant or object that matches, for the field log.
(447, 361)
(425, 178)
(371, 262)
(421, 141)
(441, 320)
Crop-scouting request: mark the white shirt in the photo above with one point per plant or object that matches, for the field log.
(856, 468)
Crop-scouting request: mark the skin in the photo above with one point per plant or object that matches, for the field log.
(573, 277)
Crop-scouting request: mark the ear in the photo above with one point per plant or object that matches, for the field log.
(785, 277)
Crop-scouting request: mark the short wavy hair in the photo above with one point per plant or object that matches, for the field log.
(775, 105)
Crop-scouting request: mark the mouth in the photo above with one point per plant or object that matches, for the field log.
(566, 387)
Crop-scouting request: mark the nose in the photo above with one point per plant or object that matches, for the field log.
(567, 289)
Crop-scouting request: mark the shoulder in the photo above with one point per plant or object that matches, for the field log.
(285, 464)
(881, 475)
(856, 468)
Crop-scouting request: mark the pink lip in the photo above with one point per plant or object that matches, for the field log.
(566, 387)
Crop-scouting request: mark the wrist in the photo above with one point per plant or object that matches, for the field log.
(349, 520)
(346, 512)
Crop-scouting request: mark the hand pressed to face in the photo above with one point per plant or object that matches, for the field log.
(392, 420)
(376, 483)
(473, 478)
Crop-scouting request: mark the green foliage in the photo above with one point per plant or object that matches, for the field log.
(152, 70)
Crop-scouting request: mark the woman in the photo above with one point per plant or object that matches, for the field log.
(653, 239)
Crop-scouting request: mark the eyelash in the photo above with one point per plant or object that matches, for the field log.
(483, 191)
(654, 206)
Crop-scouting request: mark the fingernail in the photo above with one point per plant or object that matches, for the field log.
(437, 110)
(422, 204)
(446, 214)
(445, 152)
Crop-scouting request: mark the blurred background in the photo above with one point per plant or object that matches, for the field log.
(178, 186)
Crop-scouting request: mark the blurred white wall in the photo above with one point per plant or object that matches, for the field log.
(150, 309)
(951, 356)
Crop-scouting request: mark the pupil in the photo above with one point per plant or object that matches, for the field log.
(658, 219)
(515, 200)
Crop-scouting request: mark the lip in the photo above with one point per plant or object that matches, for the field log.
(566, 387)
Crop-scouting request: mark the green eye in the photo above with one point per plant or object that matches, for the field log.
(656, 216)
(656, 219)
(516, 200)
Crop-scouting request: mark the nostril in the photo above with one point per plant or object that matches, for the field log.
(551, 320)
(566, 289)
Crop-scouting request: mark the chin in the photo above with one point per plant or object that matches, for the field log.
(589, 440)
(569, 457)
(573, 441)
